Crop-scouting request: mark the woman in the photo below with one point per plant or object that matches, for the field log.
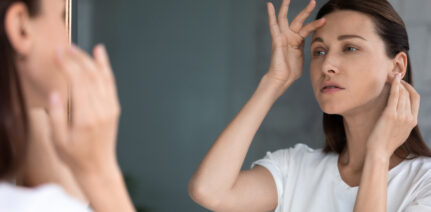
(374, 158)
(38, 71)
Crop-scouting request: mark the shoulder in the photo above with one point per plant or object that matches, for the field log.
(300, 153)
(47, 198)
(420, 165)
(418, 168)
(416, 173)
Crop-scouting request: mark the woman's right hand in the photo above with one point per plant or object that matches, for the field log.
(87, 142)
(287, 58)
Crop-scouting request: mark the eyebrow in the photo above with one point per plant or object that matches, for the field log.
(341, 37)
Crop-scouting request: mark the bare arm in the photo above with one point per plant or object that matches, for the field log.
(391, 131)
(218, 183)
(374, 184)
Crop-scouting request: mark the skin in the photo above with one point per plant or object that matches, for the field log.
(380, 112)
(42, 162)
(354, 63)
(48, 66)
(377, 119)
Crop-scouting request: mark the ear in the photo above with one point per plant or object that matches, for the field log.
(17, 26)
(400, 65)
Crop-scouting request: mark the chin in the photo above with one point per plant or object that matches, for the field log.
(332, 109)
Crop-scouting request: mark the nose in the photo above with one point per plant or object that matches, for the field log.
(330, 65)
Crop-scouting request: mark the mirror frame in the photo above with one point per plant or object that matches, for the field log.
(68, 24)
(68, 19)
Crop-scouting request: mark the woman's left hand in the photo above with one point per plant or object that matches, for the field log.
(398, 119)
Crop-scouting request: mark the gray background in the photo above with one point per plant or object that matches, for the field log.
(185, 68)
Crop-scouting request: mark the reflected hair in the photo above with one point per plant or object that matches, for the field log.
(14, 126)
(392, 30)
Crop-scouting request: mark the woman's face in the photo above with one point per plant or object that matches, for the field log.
(348, 51)
(39, 70)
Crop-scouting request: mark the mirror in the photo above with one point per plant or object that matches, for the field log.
(185, 68)
(68, 19)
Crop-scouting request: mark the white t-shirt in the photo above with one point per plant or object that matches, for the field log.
(309, 180)
(46, 198)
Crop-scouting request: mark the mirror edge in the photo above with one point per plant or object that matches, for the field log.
(68, 19)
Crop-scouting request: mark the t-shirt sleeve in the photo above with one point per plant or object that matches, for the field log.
(422, 202)
(278, 163)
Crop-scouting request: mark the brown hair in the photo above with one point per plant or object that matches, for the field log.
(13, 115)
(391, 28)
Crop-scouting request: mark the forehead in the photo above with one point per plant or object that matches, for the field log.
(347, 22)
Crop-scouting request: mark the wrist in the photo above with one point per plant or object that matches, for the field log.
(276, 86)
(378, 154)
(103, 170)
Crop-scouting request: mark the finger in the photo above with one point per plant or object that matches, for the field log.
(91, 80)
(394, 94)
(297, 23)
(282, 15)
(414, 98)
(78, 84)
(58, 120)
(82, 58)
(273, 25)
(404, 103)
(102, 59)
(311, 27)
(68, 67)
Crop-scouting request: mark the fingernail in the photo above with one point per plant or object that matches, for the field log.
(398, 76)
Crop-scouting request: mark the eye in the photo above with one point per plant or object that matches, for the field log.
(350, 49)
(319, 53)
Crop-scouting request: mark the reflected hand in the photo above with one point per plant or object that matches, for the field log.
(398, 119)
(287, 58)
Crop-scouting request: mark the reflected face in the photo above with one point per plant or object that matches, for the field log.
(349, 66)
(39, 73)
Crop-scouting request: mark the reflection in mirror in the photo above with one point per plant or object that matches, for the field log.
(184, 69)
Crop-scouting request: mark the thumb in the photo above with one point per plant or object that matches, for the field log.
(58, 120)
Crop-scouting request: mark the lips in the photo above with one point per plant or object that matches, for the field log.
(330, 87)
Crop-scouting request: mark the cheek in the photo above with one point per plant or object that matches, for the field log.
(315, 73)
(43, 72)
(364, 81)
(367, 88)
(365, 85)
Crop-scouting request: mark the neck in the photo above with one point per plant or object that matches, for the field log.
(359, 124)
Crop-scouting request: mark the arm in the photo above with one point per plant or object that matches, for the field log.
(391, 131)
(218, 183)
(374, 184)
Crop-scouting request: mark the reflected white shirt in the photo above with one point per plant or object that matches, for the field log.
(309, 180)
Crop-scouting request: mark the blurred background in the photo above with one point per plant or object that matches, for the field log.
(185, 68)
